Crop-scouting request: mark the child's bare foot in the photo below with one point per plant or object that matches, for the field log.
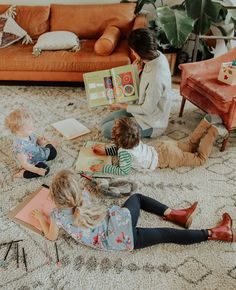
(19, 174)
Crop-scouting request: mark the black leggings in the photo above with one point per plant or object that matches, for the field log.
(52, 155)
(145, 237)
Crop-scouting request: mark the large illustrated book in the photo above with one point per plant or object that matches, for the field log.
(117, 85)
(40, 199)
(87, 158)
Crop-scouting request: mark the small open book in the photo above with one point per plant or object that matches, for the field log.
(71, 128)
(40, 199)
(117, 85)
(87, 158)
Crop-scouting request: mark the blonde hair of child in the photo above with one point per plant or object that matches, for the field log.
(17, 119)
(66, 192)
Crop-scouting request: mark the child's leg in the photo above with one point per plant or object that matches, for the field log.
(138, 201)
(28, 174)
(195, 138)
(146, 237)
(53, 152)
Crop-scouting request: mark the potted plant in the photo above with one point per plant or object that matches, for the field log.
(173, 25)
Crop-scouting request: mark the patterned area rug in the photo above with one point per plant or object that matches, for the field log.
(210, 265)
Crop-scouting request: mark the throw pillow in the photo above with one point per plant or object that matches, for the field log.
(56, 40)
(10, 31)
(108, 41)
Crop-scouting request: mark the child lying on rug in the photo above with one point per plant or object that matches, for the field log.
(133, 153)
(115, 229)
(30, 151)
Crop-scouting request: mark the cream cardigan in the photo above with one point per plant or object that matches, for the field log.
(153, 107)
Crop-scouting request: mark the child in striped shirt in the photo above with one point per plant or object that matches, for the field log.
(133, 153)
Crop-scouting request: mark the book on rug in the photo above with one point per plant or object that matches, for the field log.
(40, 199)
(71, 128)
(116, 85)
(87, 158)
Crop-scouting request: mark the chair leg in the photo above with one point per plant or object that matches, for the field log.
(224, 143)
(182, 107)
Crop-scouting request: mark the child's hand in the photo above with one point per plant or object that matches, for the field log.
(41, 141)
(41, 171)
(99, 149)
(96, 167)
(38, 214)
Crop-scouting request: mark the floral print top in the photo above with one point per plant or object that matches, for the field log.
(31, 149)
(114, 232)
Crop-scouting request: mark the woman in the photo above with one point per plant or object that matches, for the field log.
(153, 108)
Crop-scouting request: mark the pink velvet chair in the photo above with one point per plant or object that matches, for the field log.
(200, 86)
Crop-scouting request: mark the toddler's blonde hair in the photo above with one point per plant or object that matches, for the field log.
(66, 192)
(17, 119)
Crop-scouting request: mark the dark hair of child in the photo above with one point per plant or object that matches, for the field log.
(126, 133)
(143, 42)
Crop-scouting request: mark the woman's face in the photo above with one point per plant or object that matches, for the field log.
(135, 55)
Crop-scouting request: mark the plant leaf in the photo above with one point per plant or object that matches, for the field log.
(176, 25)
(141, 3)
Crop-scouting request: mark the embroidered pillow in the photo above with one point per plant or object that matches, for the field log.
(56, 40)
(10, 31)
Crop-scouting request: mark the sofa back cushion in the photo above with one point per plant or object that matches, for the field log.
(90, 21)
(33, 19)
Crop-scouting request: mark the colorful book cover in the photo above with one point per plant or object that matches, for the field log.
(87, 158)
(117, 85)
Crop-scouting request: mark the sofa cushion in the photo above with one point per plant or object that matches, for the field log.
(56, 40)
(20, 58)
(33, 19)
(108, 41)
(218, 93)
(10, 31)
(90, 21)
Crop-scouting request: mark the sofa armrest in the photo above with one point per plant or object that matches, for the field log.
(140, 21)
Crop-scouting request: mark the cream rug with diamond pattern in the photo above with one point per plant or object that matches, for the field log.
(210, 265)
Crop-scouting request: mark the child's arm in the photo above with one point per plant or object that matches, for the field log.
(125, 162)
(30, 167)
(100, 149)
(51, 230)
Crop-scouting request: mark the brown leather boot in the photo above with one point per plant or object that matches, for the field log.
(223, 230)
(182, 217)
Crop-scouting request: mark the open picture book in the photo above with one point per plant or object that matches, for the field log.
(71, 128)
(40, 199)
(117, 85)
(87, 158)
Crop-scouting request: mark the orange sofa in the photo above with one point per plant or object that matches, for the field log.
(88, 22)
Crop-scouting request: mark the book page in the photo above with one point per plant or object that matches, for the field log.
(71, 128)
(40, 201)
(87, 158)
(99, 88)
(126, 83)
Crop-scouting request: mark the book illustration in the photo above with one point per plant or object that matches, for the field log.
(87, 158)
(37, 200)
(105, 87)
(71, 128)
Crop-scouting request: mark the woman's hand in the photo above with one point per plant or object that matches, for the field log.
(96, 167)
(37, 214)
(118, 106)
(99, 149)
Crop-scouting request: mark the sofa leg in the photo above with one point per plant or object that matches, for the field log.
(224, 142)
(182, 107)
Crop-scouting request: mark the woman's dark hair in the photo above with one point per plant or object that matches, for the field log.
(143, 42)
(126, 133)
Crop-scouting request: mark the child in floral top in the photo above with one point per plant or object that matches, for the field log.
(29, 150)
(115, 229)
